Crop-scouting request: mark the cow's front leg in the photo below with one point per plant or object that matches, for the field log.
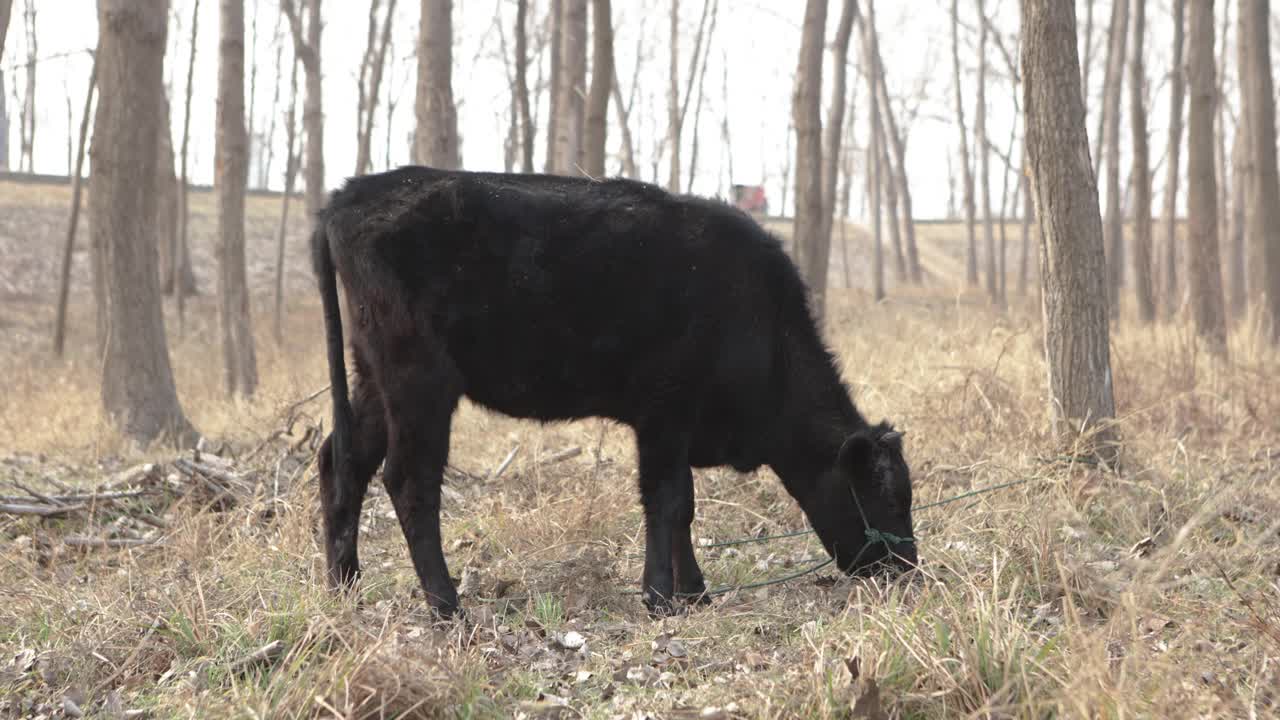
(689, 583)
(664, 470)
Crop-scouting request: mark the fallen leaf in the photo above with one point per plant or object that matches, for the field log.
(676, 649)
(1143, 547)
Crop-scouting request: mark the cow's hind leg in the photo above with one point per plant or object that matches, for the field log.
(689, 583)
(420, 400)
(342, 498)
(664, 471)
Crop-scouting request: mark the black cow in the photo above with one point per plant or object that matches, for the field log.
(557, 298)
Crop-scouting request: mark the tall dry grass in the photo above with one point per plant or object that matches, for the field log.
(1147, 592)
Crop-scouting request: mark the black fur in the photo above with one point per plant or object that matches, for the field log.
(556, 298)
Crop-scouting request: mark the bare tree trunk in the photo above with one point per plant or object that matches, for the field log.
(267, 158)
(971, 258)
(522, 86)
(624, 125)
(4, 115)
(1087, 58)
(697, 108)
(307, 49)
(1177, 92)
(77, 184)
(572, 88)
(6, 11)
(806, 112)
(1240, 186)
(231, 173)
(167, 209)
(1142, 285)
(1028, 210)
(875, 167)
(1077, 345)
(180, 254)
(984, 158)
(832, 150)
(899, 173)
(1203, 273)
(553, 112)
(1114, 225)
(1260, 107)
(137, 381)
(673, 98)
(291, 158)
(27, 137)
(436, 139)
(601, 81)
(253, 90)
(371, 70)
(1220, 158)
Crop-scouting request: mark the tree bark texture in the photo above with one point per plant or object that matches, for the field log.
(835, 115)
(436, 138)
(597, 111)
(522, 86)
(971, 258)
(807, 115)
(1076, 327)
(231, 173)
(137, 381)
(307, 49)
(1143, 291)
(1260, 106)
(77, 187)
(571, 88)
(1173, 168)
(1204, 276)
(984, 159)
(1114, 224)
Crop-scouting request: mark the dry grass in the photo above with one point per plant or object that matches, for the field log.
(1149, 592)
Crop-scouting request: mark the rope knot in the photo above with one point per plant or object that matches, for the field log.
(875, 536)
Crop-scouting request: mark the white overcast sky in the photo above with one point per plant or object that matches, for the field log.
(758, 39)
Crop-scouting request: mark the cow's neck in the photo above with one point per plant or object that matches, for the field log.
(817, 416)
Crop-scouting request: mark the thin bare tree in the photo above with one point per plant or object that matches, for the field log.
(981, 146)
(6, 11)
(1076, 329)
(1142, 285)
(27, 136)
(369, 83)
(875, 165)
(436, 137)
(1204, 276)
(553, 110)
(77, 185)
(571, 87)
(677, 103)
(1177, 93)
(1113, 227)
(813, 247)
(522, 86)
(180, 252)
(231, 174)
(602, 74)
(832, 150)
(306, 47)
(697, 105)
(291, 161)
(138, 391)
(1259, 105)
(898, 144)
(971, 258)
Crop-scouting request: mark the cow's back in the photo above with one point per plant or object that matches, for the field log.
(560, 298)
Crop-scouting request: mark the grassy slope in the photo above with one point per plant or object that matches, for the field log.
(1080, 593)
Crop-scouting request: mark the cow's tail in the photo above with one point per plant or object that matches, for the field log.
(340, 438)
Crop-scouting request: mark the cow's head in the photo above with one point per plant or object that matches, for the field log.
(861, 506)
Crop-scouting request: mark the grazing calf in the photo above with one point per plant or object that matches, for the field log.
(556, 298)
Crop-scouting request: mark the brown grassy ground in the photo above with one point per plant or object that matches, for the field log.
(1149, 592)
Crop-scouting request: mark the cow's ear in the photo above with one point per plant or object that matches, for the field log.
(856, 452)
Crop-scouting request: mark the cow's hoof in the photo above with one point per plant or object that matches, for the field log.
(659, 606)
